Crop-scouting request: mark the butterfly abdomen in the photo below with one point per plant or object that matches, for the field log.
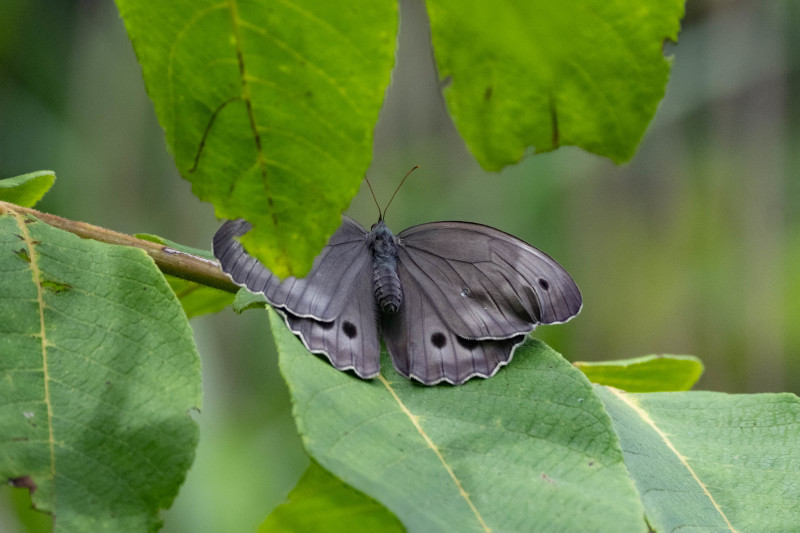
(386, 283)
(387, 287)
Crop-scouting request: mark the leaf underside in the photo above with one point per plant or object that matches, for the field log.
(541, 74)
(268, 108)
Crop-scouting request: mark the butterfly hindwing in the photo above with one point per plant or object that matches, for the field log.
(332, 309)
(350, 341)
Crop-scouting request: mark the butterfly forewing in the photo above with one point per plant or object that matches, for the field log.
(243, 269)
(487, 284)
(332, 309)
(320, 294)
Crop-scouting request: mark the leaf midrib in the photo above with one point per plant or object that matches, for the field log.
(631, 402)
(234, 9)
(415, 421)
(37, 281)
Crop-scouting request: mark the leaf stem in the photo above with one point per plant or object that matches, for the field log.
(168, 260)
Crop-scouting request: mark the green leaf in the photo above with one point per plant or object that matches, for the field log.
(247, 300)
(98, 375)
(269, 108)
(543, 74)
(530, 449)
(322, 502)
(650, 373)
(26, 190)
(196, 299)
(706, 461)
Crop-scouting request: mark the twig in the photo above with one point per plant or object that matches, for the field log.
(168, 260)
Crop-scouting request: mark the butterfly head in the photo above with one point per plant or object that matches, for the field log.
(379, 226)
(383, 241)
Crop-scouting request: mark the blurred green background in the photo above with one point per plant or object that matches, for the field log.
(692, 248)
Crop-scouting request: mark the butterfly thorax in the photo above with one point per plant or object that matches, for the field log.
(386, 283)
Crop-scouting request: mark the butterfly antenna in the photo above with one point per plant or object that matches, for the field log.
(380, 215)
(398, 187)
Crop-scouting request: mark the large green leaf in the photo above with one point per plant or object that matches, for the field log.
(98, 375)
(321, 502)
(650, 373)
(541, 74)
(268, 107)
(530, 449)
(706, 461)
(26, 190)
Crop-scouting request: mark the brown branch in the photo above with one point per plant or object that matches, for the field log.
(168, 260)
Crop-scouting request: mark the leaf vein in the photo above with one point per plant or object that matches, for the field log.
(248, 100)
(330, 80)
(645, 417)
(415, 421)
(324, 24)
(34, 265)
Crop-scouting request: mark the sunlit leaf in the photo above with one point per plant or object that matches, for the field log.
(26, 190)
(268, 107)
(541, 74)
(322, 502)
(651, 373)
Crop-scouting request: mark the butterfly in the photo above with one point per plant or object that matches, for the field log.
(452, 300)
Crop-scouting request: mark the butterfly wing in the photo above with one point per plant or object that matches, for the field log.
(423, 347)
(319, 295)
(471, 293)
(332, 309)
(487, 283)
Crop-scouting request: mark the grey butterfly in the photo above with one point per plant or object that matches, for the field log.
(452, 300)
